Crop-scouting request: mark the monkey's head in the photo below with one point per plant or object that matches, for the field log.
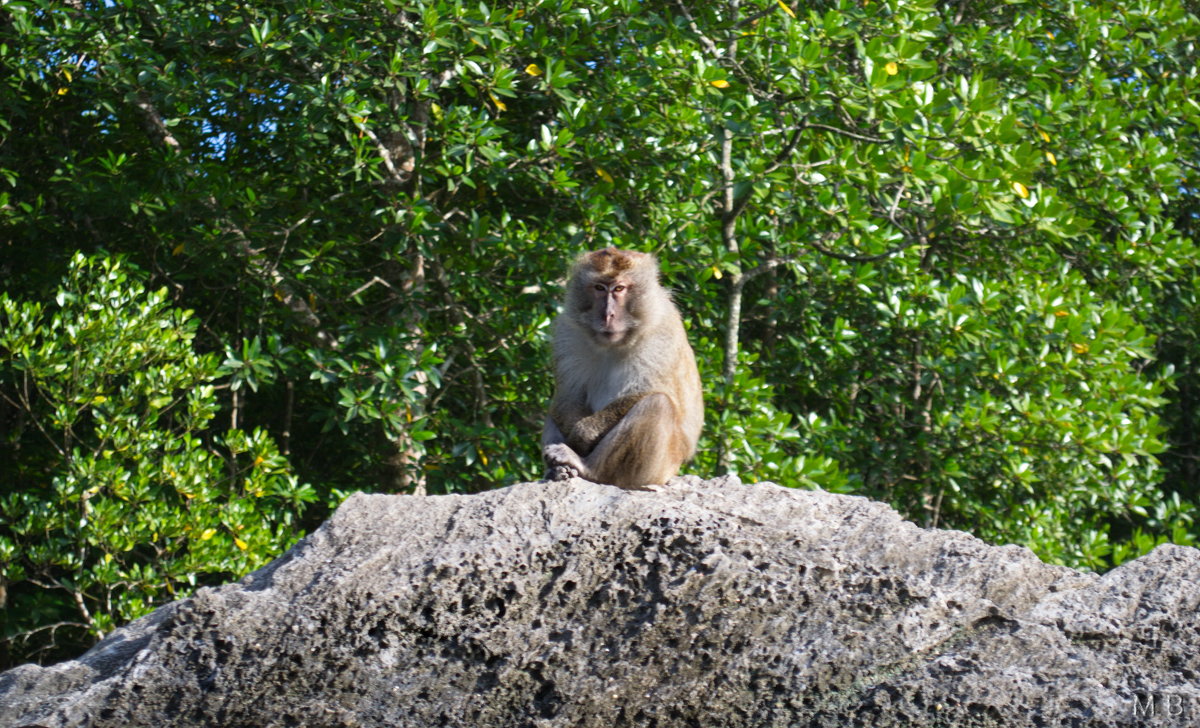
(611, 293)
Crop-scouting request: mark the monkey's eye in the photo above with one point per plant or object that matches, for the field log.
(618, 289)
(600, 287)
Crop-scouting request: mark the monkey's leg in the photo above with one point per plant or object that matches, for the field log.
(646, 447)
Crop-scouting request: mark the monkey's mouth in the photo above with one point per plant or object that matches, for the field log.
(610, 336)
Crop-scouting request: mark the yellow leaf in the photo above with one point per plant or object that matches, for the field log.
(240, 543)
(717, 272)
(1051, 158)
(892, 68)
(358, 119)
(533, 70)
(720, 83)
(1061, 314)
(99, 399)
(786, 9)
(604, 175)
(1080, 348)
(1021, 190)
(208, 533)
(259, 461)
(67, 73)
(499, 104)
(483, 459)
(63, 91)
(1045, 136)
(177, 250)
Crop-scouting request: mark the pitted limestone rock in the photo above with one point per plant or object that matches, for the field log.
(705, 603)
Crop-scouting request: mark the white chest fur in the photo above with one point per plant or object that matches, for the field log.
(612, 377)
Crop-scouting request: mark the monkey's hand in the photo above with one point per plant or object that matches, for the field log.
(562, 463)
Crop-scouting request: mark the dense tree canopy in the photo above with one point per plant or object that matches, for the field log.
(257, 255)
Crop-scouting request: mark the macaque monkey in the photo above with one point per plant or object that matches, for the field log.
(627, 407)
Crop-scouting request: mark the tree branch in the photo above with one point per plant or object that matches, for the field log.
(820, 248)
(255, 259)
(704, 39)
(847, 133)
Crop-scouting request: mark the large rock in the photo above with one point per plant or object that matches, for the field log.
(704, 604)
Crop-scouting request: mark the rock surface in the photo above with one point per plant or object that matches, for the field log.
(708, 603)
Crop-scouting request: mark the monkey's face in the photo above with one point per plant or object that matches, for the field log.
(610, 292)
(610, 317)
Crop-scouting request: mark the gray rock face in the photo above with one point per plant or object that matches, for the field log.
(708, 603)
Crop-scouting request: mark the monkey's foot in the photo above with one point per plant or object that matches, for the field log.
(561, 473)
(562, 463)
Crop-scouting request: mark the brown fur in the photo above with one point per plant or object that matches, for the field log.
(627, 408)
(610, 262)
(585, 432)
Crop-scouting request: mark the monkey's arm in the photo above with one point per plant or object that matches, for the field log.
(563, 416)
(564, 453)
(561, 461)
(648, 428)
(587, 431)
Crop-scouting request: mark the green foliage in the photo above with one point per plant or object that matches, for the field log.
(1003, 404)
(127, 498)
(939, 254)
